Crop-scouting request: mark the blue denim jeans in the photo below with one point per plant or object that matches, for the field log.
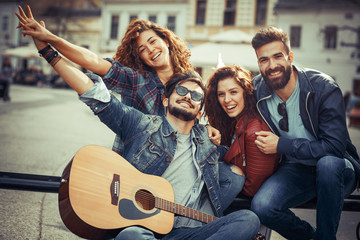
(239, 225)
(293, 184)
(231, 184)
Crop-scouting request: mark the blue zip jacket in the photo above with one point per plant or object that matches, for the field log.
(322, 112)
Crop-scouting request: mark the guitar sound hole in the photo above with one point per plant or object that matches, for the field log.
(145, 199)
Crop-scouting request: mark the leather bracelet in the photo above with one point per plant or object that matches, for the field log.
(44, 50)
(55, 60)
(48, 53)
(50, 57)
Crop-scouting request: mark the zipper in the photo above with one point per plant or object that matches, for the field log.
(307, 111)
(244, 159)
(262, 116)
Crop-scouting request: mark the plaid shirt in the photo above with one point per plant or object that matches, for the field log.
(141, 91)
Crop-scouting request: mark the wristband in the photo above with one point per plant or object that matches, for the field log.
(51, 56)
(55, 60)
(44, 50)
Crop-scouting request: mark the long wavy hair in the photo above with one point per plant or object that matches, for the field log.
(128, 55)
(216, 115)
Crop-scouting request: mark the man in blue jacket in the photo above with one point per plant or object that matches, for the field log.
(305, 111)
(170, 146)
(180, 151)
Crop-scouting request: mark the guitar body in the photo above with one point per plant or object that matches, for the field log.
(103, 193)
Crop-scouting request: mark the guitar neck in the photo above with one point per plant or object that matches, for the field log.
(183, 211)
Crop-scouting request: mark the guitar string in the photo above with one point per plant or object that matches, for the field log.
(149, 198)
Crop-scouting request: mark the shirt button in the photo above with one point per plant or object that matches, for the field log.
(167, 159)
(173, 138)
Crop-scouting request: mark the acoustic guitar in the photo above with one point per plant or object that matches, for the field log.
(101, 193)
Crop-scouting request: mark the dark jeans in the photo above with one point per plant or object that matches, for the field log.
(293, 184)
(239, 225)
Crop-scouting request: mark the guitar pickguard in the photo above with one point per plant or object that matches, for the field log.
(128, 210)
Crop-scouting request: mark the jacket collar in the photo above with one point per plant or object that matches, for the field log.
(196, 132)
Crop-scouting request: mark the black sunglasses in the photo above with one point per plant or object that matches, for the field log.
(283, 123)
(182, 91)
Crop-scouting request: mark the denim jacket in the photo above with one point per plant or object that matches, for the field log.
(150, 143)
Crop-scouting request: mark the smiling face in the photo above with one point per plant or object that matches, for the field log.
(275, 64)
(231, 97)
(184, 107)
(153, 50)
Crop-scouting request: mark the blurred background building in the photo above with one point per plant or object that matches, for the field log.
(325, 34)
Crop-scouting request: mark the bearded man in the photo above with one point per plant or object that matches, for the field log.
(304, 108)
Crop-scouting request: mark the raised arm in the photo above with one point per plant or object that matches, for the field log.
(76, 54)
(73, 76)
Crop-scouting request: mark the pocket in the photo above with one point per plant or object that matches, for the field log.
(213, 158)
(148, 155)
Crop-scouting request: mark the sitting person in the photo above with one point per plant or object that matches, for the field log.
(231, 108)
(175, 148)
(305, 111)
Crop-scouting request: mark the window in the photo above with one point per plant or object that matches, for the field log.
(5, 24)
(261, 9)
(295, 36)
(230, 13)
(171, 23)
(153, 18)
(132, 17)
(200, 12)
(114, 27)
(330, 37)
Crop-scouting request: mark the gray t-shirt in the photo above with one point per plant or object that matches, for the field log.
(186, 178)
(296, 126)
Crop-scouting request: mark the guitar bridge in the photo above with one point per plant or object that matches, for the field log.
(115, 189)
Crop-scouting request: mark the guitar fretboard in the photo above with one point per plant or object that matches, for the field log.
(183, 211)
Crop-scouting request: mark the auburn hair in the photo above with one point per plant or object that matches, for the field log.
(216, 115)
(128, 55)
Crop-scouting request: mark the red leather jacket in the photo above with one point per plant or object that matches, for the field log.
(243, 152)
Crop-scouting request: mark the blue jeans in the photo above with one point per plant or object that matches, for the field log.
(231, 184)
(240, 225)
(293, 184)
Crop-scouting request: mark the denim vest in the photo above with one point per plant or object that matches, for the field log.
(150, 143)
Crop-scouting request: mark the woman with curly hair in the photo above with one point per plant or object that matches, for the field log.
(148, 56)
(230, 107)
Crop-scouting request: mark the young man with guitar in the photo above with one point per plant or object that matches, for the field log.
(170, 146)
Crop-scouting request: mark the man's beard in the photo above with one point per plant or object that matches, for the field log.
(280, 82)
(181, 113)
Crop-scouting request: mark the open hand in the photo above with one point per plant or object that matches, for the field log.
(33, 28)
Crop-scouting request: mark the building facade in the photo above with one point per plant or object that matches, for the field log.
(76, 21)
(117, 14)
(325, 35)
(210, 17)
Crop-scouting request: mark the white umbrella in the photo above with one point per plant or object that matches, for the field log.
(206, 55)
(24, 52)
